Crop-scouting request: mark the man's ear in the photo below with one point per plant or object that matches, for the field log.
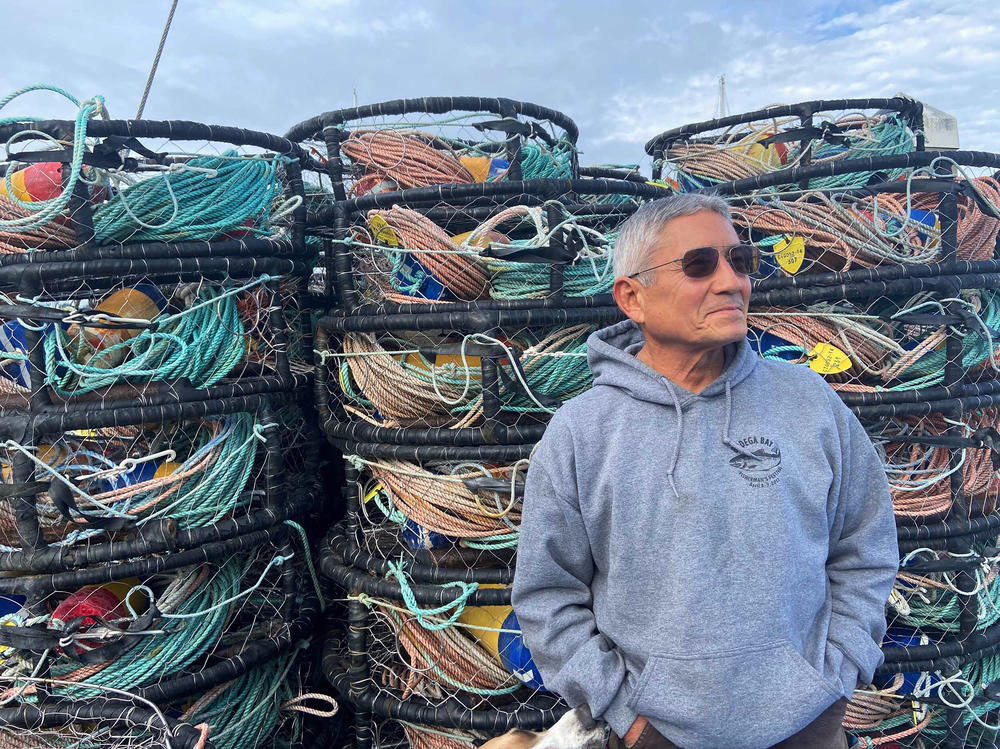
(628, 294)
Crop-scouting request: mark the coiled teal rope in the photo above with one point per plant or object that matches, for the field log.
(203, 343)
(583, 277)
(889, 137)
(183, 641)
(208, 497)
(943, 613)
(539, 162)
(456, 606)
(203, 199)
(244, 715)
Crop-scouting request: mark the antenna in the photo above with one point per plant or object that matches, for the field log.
(722, 104)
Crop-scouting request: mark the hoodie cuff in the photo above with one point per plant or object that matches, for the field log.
(856, 645)
(618, 714)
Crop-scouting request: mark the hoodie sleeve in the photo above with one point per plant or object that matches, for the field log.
(864, 555)
(553, 601)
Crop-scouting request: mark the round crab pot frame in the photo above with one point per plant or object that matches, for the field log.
(940, 466)
(369, 666)
(143, 629)
(503, 245)
(775, 139)
(126, 188)
(453, 520)
(879, 340)
(946, 693)
(438, 140)
(494, 379)
(120, 723)
(875, 166)
(90, 485)
(240, 667)
(68, 335)
(461, 513)
(930, 224)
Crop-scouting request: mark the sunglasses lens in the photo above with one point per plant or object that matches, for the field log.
(744, 259)
(700, 262)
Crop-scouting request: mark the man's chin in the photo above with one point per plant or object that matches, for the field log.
(723, 336)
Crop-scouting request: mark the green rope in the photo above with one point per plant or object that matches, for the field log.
(184, 640)
(245, 714)
(540, 162)
(421, 614)
(202, 343)
(304, 540)
(190, 204)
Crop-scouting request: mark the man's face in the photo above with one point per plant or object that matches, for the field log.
(695, 312)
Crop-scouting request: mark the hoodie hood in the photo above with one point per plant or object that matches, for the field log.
(611, 354)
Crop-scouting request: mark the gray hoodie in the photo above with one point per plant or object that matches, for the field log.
(718, 563)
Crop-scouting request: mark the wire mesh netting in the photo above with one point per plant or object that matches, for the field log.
(438, 140)
(157, 450)
(110, 341)
(457, 244)
(787, 136)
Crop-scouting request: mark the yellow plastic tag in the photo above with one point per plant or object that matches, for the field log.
(416, 361)
(790, 252)
(483, 240)
(382, 232)
(827, 359)
(371, 494)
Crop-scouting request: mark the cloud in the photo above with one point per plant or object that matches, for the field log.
(336, 18)
(623, 72)
(932, 49)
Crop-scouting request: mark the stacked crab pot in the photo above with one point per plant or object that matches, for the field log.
(461, 298)
(157, 457)
(880, 272)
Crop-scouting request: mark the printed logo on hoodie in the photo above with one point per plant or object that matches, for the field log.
(760, 466)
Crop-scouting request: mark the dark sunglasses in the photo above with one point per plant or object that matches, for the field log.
(701, 262)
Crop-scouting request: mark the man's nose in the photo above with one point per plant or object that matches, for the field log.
(725, 279)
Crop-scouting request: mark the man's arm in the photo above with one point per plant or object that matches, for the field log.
(864, 555)
(552, 599)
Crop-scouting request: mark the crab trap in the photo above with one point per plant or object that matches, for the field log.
(203, 655)
(495, 245)
(408, 143)
(492, 377)
(783, 137)
(446, 657)
(95, 188)
(176, 325)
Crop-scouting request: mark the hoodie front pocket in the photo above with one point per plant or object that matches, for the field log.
(747, 698)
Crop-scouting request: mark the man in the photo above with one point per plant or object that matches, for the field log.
(707, 540)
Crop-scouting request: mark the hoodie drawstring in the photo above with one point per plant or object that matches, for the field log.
(677, 440)
(726, 439)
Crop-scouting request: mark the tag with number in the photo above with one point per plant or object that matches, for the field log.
(827, 359)
(382, 232)
(790, 252)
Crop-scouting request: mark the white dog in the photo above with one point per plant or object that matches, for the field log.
(575, 730)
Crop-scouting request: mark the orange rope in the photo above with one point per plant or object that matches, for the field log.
(463, 275)
(404, 157)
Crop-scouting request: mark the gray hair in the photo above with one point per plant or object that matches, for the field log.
(639, 234)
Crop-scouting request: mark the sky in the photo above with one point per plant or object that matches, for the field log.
(624, 71)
